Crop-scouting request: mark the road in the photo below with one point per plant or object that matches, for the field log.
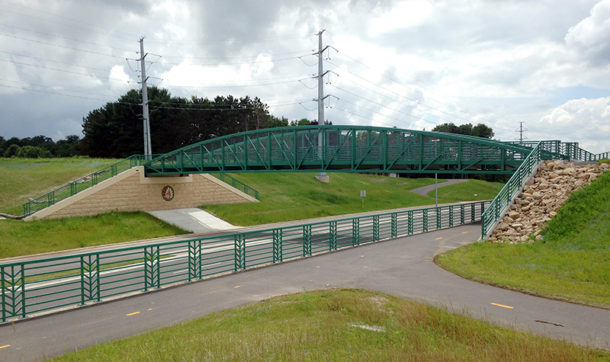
(401, 267)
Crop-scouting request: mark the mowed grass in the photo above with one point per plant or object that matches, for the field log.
(335, 325)
(24, 238)
(293, 196)
(468, 191)
(22, 178)
(572, 262)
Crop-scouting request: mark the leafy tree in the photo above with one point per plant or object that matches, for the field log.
(115, 130)
(12, 150)
(33, 152)
(480, 130)
(67, 146)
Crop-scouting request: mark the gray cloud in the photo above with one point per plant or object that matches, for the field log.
(493, 61)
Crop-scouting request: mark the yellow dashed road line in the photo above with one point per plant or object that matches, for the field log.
(5, 346)
(134, 313)
(502, 305)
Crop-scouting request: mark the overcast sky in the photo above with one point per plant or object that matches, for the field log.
(409, 64)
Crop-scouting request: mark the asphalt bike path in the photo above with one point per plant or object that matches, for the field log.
(402, 267)
(425, 190)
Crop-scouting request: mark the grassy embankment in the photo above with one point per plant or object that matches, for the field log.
(287, 196)
(283, 197)
(341, 325)
(23, 178)
(467, 190)
(572, 262)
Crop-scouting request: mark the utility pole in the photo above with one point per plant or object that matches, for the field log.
(321, 120)
(145, 115)
(321, 74)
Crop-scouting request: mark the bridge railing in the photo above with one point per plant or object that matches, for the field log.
(565, 150)
(500, 204)
(228, 179)
(44, 285)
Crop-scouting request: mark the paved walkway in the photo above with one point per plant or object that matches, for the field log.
(194, 220)
(401, 267)
(425, 190)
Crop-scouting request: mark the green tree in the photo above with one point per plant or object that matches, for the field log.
(115, 130)
(480, 130)
(12, 150)
(33, 152)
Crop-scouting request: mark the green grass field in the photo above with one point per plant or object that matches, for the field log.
(467, 191)
(21, 178)
(284, 196)
(336, 325)
(572, 261)
(293, 196)
(24, 238)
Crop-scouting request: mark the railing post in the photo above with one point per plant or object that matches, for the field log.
(90, 277)
(240, 252)
(306, 240)
(451, 216)
(376, 228)
(425, 221)
(195, 260)
(410, 222)
(278, 254)
(462, 212)
(13, 288)
(355, 231)
(152, 275)
(3, 280)
(472, 212)
(394, 225)
(332, 226)
(439, 222)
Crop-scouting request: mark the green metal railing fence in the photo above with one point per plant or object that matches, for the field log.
(564, 150)
(226, 178)
(44, 285)
(511, 189)
(82, 183)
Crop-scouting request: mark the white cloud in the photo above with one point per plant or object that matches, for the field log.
(583, 119)
(591, 36)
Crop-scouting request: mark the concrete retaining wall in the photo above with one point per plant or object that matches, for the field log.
(132, 191)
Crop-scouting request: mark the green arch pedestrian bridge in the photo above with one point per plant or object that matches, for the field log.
(347, 149)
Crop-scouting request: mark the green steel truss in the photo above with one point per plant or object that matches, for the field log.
(342, 148)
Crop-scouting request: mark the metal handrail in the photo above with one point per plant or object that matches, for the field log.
(44, 285)
(249, 190)
(500, 204)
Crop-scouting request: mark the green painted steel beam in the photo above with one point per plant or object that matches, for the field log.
(343, 149)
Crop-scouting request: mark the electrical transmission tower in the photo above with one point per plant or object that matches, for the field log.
(320, 77)
(145, 114)
(521, 130)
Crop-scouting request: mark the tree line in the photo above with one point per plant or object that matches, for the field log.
(39, 146)
(116, 129)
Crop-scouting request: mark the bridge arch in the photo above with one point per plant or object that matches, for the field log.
(342, 149)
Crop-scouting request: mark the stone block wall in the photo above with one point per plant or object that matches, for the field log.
(132, 191)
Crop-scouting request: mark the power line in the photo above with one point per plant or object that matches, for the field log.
(61, 70)
(61, 46)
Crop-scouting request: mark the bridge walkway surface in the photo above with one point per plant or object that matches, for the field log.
(402, 267)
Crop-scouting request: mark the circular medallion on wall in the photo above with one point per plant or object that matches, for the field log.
(167, 193)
